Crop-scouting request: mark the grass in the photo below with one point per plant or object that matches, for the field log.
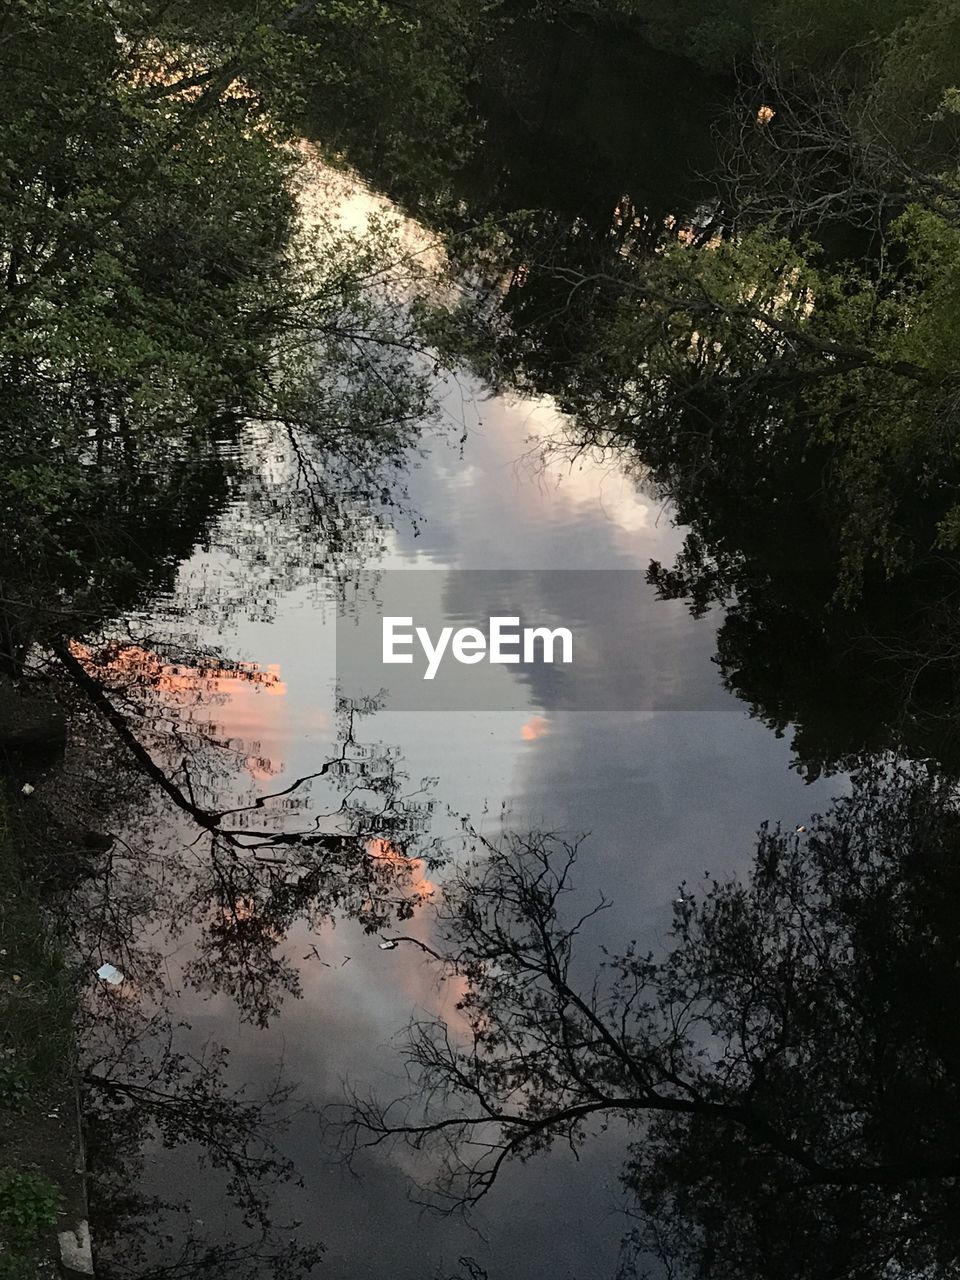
(37, 1006)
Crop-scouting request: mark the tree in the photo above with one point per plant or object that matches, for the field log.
(349, 839)
(787, 1073)
(732, 363)
(142, 1091)
(161, 289)
(192, 855)
(801, 324)
(778, 367)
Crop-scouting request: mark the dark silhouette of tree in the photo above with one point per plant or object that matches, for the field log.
(350, 839)
(142, 1091)
(236, 880)
(787, 1075)
(844, 682)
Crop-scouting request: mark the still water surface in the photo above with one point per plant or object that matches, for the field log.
(663, 795)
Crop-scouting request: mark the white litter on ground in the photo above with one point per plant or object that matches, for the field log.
(75, 1251)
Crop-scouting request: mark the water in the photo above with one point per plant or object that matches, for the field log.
(663, 796)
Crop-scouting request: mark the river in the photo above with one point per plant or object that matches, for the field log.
(664, 792)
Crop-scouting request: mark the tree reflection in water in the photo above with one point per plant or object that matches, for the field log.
(210, 865)
(787, 1074)
(228, 884)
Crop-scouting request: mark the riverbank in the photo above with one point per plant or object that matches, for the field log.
(43, 1203)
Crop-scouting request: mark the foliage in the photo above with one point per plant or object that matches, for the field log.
(14, 1086)
(780, 365)
(784, 1071)
(393, 95)
(36, 985)
(814, 34)
(383, 83)
(916, 68)
(800, 415)
(28, 1207)
(799, 332)
(725, 367)
(799, 405)
(37, 1009)
(160, 286)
